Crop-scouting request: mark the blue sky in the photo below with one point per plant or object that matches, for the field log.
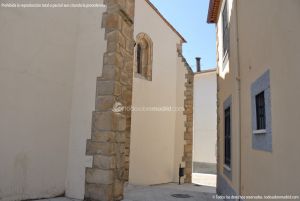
(189, 18)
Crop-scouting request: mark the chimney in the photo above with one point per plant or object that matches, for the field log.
(198, 64)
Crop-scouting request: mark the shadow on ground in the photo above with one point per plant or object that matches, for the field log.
(164, 192)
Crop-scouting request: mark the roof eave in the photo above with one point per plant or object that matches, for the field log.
(206, 71)
(213, 11)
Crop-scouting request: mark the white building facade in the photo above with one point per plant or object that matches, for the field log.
(50, 62)
(205, 121)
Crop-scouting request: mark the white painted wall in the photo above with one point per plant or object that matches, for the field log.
(180, 118)
(205, 117)
(89, 60)
(49, 61)
(153, 133)
(37, 69)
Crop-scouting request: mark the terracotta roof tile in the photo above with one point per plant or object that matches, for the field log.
(213, 11)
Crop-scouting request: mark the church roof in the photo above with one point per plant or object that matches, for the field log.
(213, 11)
(165, 20)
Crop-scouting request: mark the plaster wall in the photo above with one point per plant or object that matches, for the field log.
(271, 43)
(152, 151)
(180, 118)
(49, 61)
(89, 62)
(227, 87)
(205, 117)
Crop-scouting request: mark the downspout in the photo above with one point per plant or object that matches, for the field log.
(238, 79)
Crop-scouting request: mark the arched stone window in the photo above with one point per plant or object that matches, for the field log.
(139, 58)
(144, 55)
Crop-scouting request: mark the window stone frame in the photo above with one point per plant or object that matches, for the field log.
(262, 139)
(147, 55)
(227, 170)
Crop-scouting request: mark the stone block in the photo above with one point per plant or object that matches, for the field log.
(117, 38)
(108, 73)
(126, 95)
(190, 129)
(112, 22)
(127, 152)
(188, 148)
(98, 192)
(187, 156)
(187, 93)
(124, 79)
(119, 122)
(112, 46)
(113, 58)
(188, 164)
(105, 87)
(118, 89)
(104, 162)
(102, 120)
(188, 136)
(128, 66)
(120, 137)
(118, 189)
(126, 175)
(103, 136)
(188, 124)
(130, 47)
(120, 162)
(127, 30)
(98, 176)
(103, 148)
(126, 165)
(104, 103)
(111, 4)
(188, 85)
(120, 173)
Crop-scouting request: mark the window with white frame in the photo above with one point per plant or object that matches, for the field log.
(260, 111)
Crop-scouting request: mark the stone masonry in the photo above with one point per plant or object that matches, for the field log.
(110, 129)
(188, 135)
(188, 112)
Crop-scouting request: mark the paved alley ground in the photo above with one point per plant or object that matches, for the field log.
(205, 179)
(164, 192)
(203, 189)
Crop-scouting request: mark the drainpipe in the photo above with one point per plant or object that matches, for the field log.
(238, 79)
